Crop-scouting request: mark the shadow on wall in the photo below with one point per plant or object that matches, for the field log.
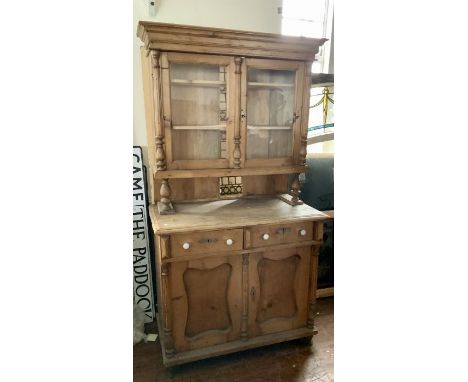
(318, 185)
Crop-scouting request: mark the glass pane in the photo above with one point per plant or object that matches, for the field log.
(195, 72)
(199, 111)
(321, 120)
(321, 116)
(198, 144)
(194, 105)
(270, 113)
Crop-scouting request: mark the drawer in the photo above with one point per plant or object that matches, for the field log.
(266, 235)
(184, 244)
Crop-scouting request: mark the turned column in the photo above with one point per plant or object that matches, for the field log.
(157, 102)
(164, 205)
(238, 114)
(295, 191)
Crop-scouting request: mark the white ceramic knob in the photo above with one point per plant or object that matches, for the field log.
(229, 241)
(186, 246)
(265, 236)
(302, 232)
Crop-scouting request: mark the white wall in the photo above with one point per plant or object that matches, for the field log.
(331, 61)
(249, 15)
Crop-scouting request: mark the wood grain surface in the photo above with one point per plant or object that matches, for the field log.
(231, 213)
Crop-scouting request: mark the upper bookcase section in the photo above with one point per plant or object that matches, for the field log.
(185, 38)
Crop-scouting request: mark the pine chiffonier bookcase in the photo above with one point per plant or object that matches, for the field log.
(236, 249)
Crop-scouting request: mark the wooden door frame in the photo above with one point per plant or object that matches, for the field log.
(192, 58)
(298, 67)
(301, 287)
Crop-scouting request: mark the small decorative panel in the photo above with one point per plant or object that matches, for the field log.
(230, 186)
(207, 300)
(277, 299)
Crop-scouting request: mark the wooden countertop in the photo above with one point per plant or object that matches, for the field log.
(222, 214)
(329, 213)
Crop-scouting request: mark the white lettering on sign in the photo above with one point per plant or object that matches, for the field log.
(142, 283)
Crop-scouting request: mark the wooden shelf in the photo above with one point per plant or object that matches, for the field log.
(255, 127)
(200, 127)
(198, 83)
(216, 173)
(269, 85)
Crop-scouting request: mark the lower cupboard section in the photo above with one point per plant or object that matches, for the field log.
(215, 301)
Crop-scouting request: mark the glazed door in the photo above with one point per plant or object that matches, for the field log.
(278, 290)
(197, 108)
(206, 301)
(271, 104)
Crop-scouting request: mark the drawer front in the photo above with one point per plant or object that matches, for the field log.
(206, 242)
(266, 235)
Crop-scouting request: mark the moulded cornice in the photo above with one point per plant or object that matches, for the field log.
(185, 38)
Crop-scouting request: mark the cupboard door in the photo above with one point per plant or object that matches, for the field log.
(272, 101)
(197, 104)
(206, 302)
(279, 285)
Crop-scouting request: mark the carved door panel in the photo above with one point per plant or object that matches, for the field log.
(278, 290)
(206, 301)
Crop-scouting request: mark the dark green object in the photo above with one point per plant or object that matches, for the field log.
(317, 192)
(317, 188)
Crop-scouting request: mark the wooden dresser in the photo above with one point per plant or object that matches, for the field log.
(236, 249)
